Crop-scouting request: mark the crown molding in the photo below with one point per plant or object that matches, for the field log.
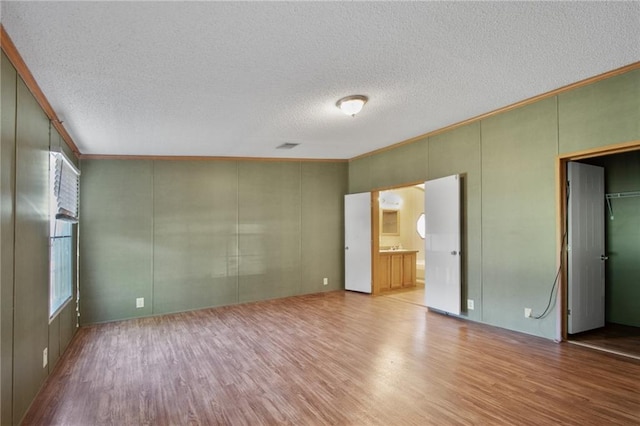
(555, 92)
(23, 71)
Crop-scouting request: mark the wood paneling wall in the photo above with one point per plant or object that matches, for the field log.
(27, 135)
(508, 158)
(8, 80)
(191, 234)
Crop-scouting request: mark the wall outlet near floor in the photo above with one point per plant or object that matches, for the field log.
(140, 302)
(527, 312)
(325, 281)
(470, 304)
(45, 357)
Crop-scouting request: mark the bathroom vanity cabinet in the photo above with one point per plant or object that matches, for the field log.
(396, 269)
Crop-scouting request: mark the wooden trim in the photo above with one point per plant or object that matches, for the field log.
(561, 229)
(528, 101)
(375, 242)
(204, 158)
(561, 210)
(600, 151)
(401, 186)
(23, 71)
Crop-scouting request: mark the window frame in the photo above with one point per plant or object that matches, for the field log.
(61, 229)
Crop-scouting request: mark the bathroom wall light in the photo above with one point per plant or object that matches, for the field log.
(351, 105)
(390, 200)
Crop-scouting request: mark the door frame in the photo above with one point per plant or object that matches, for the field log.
(375, 231)
(561, 219)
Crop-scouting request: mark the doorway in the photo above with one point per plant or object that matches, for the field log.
(621, 331)
(398, 243)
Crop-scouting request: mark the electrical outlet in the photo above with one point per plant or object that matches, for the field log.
(527, 312)
(470, 304)
(140, 302)
(325, 281)
(45, 357)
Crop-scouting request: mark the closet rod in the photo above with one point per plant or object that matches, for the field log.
(614, 195)
(622, 194)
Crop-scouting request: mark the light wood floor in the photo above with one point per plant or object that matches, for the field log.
(415, 296)
(337, 358)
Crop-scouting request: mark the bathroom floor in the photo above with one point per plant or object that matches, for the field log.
(413, 296)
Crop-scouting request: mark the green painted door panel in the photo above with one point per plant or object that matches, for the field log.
(458, 152)
(116, 239)
(600, 114)
(195, 235)
(31, 298)
(518, 216)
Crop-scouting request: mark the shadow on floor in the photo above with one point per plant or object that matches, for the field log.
(613, 338)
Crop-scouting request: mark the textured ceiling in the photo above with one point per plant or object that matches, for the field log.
(241, 78)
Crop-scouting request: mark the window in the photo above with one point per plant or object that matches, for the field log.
(420, 226)
(64, 189)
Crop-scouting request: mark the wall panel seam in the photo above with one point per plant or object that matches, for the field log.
(237, 232)
(300, 229)
(481, 224)
(153, 236)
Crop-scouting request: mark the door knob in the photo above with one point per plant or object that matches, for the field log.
(603, 257)
(454, 253)
(346, 248)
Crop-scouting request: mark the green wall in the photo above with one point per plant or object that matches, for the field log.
(444, 160)
(508, 164)
(8, 87)
(193, 234)
(24, 268)
(600, 114)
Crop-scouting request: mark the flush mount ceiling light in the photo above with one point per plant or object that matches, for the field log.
(351, 105)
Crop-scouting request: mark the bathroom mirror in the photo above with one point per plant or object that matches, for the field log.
(390, 222)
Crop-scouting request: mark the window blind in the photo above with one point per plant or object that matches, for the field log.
(66, 188)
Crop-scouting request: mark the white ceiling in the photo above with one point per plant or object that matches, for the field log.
(240, 78)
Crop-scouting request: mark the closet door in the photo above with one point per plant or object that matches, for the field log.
(586, 265)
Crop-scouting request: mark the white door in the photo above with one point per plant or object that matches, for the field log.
(442, 244)
(585, 214)
(357, 242)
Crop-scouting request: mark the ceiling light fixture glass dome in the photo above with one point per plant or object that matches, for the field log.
(351, 105)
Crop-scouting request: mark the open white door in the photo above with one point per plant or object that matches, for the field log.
(442, 244)
(357, 242)
(586, 269)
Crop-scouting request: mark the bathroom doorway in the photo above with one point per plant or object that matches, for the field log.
(398, 243)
